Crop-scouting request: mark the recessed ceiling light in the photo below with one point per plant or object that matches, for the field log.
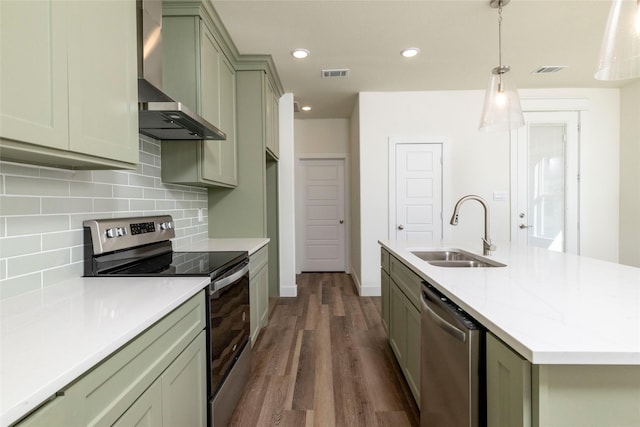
(300, 53)
(306, 108)
(410, 52)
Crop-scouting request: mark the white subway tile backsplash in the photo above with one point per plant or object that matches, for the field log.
(36, 186)
(37, 224)
(16, 205)
(42, 210)
(56, 205)
(25, 264)
(15, 246)
(90, 189)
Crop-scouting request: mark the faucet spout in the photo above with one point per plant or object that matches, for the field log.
(487, 246)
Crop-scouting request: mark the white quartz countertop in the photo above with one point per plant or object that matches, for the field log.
(250, 245)
(52, 336)
(551, 307)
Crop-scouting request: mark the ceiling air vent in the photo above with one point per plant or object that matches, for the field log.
(329, 74)
(546, 69)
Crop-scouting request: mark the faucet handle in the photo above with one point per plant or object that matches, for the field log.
(488, 246)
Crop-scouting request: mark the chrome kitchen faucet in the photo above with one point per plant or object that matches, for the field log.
(487, 247)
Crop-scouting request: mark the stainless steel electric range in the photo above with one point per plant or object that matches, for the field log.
(141, 246)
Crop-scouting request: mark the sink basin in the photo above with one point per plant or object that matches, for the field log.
(456, 258)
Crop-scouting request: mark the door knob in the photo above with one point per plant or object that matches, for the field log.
(342, 221)
(525, 226)
(401, 227)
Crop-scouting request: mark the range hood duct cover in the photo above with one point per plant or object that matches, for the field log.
(159, 116)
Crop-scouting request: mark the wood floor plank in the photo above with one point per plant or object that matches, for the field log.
(324, 360)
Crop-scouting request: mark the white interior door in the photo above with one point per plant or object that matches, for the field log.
(416, 212)
(323, 216)
(546, 203)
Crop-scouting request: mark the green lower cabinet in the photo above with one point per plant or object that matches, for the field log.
(123, 389)
(404, 337)
(146, 411)
(384, 289)
(258, 292)
(508, 386)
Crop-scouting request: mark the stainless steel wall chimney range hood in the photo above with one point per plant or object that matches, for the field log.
(159, 116)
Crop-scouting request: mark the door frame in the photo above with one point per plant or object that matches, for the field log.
(549, 105)
(446, 173)
(299, 225)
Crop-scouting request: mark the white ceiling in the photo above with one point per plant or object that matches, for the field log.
(458, 40)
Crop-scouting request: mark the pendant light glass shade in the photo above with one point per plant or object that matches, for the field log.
(620, 51)
(501, 109)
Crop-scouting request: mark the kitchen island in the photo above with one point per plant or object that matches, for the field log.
(573, 322)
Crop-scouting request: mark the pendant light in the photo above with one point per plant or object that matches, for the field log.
(620, 51)
(502, 109)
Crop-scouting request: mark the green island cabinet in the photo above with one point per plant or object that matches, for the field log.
(258, 291)
(159, 378)
(385, 282)
(198, 72)
(523, 394)
(68, 79)
(403, 318)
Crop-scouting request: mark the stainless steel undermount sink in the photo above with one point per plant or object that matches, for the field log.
(456, 258)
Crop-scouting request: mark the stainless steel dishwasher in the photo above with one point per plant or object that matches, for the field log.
(452, 379)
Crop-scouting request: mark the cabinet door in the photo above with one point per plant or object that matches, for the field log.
(57, 412)
(271, 120)
(259, 301)
(184, 387)
(33, 73)
(146, 411)
(103, 87)
(228, 151)
(384, 283)
(412, 352)
(508, 386)
(397, 322)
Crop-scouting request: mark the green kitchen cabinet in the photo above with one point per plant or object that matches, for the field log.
(250, 209)
(404, 337)
(197, 71)
(401, 317)
(169, 358)
(258, 291)
(69, 84)
(272, 121)
(385, 286)
(508, 386)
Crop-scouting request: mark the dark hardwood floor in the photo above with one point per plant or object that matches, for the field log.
(324, 360)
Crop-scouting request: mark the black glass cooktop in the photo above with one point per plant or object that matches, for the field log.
(181, 264)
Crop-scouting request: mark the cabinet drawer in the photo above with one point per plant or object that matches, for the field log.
(108, 390)
(384, 260)
(258, 260)
(407, 280)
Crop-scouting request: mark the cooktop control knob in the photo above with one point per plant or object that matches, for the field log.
(121, 231)
(110, 233)
(166, 225)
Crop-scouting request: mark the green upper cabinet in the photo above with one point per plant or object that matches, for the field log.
(68, 80)
(271, 121)
(197, 72)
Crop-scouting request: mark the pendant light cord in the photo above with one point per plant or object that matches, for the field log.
(500, 33)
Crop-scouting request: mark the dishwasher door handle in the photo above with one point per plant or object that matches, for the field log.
(443, 324)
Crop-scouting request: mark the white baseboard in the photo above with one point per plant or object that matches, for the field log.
(289, 291)
(369, 291)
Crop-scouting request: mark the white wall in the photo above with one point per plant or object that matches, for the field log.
(479, 163)
(286, 198)
(42, 209)
(630, 174)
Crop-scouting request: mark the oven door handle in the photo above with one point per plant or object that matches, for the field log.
(226, 281)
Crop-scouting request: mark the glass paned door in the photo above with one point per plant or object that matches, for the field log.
(545, 202)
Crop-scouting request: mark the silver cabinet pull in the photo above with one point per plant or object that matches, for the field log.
(342, 221)
(525, 226)
(401, 227)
